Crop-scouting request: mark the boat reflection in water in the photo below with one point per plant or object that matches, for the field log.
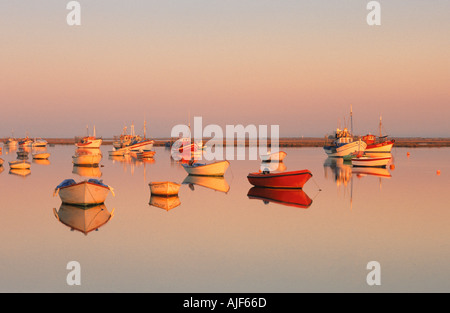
(83, 219)
(20, 172)
(85, 171)
(288, 197)
(371, 171)
(166, 203)
(41, 161)
(217, 183)
(340, 169)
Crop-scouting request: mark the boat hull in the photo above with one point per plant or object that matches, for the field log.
(90, 143)
(371, 161)
(213, 169)
(346, 149)
(143, 145)
(380, 148)
(41, 156)
(84, 193)
(164, 188)
(294, 179)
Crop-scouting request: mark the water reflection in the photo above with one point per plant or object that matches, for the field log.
(83, 219)
(20, 172)
(41, 161)
(166, 203)
(217, 183)
(288, 197)
(341, 170)
(84, 171)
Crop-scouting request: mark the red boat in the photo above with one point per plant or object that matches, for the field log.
(289, 197)
(294, 179)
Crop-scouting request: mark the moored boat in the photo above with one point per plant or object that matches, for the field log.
(88, 192)
(166, 188)
(343, 144)
(212, 169)
(377, 146)
(89, 142)
(293, 179)
(367, 161)
(145, 154)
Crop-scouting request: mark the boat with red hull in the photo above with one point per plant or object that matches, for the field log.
(293, 179)
(288, 197)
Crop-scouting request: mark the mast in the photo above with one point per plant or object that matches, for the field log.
(145, 131)
(351, 119)
(380, 127)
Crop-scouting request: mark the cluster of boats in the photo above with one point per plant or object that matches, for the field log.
(26, 146)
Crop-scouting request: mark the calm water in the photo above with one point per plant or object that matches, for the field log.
(216, 241)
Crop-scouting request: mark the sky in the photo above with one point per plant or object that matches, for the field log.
(297, 64)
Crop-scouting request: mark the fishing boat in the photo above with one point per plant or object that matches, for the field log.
(132, 141)
(165, 188)
(89, 142)
(377, 146)
(25, 142)
(212, 169)
(288, 197)
(343, 144)
(37, 143)
(293, 179)
(216, 183)
(166, 203)
(85, 193)
(367, 161)
(41, 156)
(274, 156)
(11, 142)
(82, 219)
(19, 164)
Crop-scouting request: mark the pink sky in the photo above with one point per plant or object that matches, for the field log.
(292, 63)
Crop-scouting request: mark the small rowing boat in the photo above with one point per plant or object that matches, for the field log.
(88, 192)
(213, 169)
(368, 161)
(293, 179)
(165, 188)
(41, 156)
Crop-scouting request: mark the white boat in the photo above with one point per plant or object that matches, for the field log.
(19, 165)
(275, 156)
(38, 143)
(166, 188)
(366, 161)
(89, 142)
(344, 145)
(88, 192)
(119, 152)
(41, 156)
(213, 169)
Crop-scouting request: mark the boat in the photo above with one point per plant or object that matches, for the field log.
(84, 193)
(166, 188)
(20, 164)
(132, 141)
(288, 197)
(82, 219)
(343, 144)
(145, 154)
(274, 156)
(212, 169)
(166, 203)
(377, 146)
(41, 156)
(25, 142)
(11, 142)
(273, 166)
(216, 183)
(89, 142)
(293, 179)
(367, 161)
(119, 152)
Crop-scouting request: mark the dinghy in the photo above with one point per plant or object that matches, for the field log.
(41, 156)
(165, 188)
(213, 169)
(88, 192)
(274, 156)
(364, 161)
(293, 179)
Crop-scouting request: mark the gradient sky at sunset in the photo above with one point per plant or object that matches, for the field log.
(299, 64)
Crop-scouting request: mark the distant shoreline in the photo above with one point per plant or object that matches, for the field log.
(412, 142)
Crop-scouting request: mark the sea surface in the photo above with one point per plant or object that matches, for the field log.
(217, 237)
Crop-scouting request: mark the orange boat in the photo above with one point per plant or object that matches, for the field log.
(294, 179)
